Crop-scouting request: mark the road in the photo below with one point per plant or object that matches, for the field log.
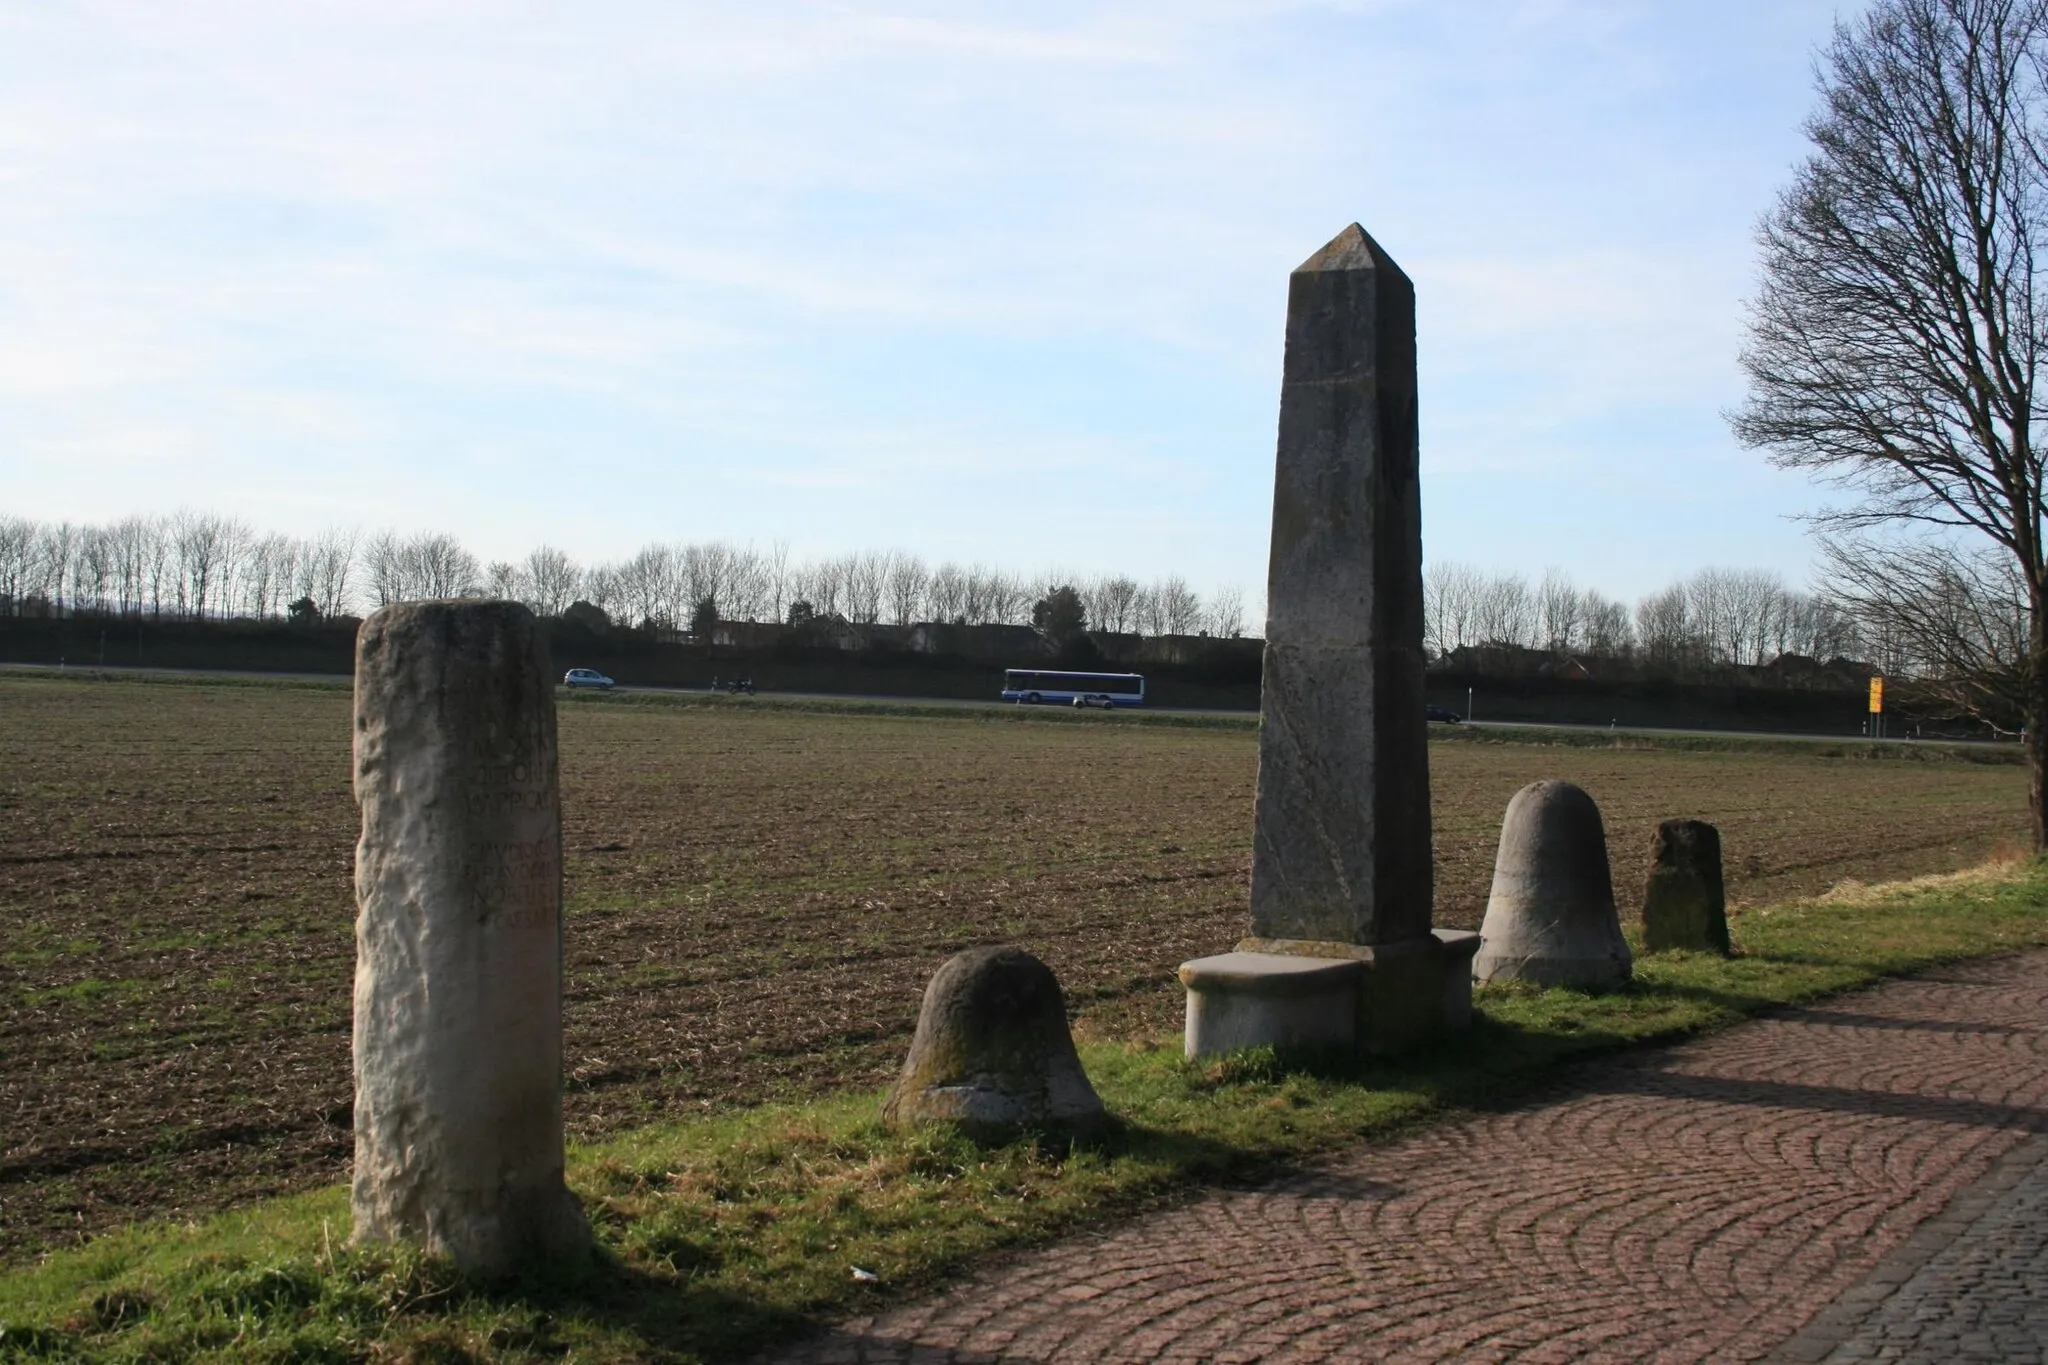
(970, 703)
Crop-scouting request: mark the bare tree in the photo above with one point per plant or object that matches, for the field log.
(867, 582)
(907, 579)
(946, 594)
(1226, 612)
(749, 587)
(160, 569)
(1608, 634)
(1756, 603)
(207, 548)
(266, 576)
(775, 565)
(1180, 610)
(649, 587)
(1664, 632)
(1115, 605)
(1009, 599)
(427, 565)
(17, 551)
(95, 574)
(550, 579)
(1450, 606)
(384, 559)
(1954, 621)
(601, 588)
(981, 593)
(325, 570)
(825, 587)
(706, 571)
(55, 547)
(441, 567)
(1504, 610)
(1148, 613)
(1706, 615)
(131, 539)
(1897, 338)
(1560, 611)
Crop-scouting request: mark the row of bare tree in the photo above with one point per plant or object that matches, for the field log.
(200, 564)
(1714, 617)
(192, 564)
(1940, 615)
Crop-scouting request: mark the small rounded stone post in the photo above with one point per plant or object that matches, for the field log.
(1684, 905)
(1551, 917)
(458, 993)
(992, 1052)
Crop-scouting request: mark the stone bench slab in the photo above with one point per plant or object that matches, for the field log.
(1242, 1000)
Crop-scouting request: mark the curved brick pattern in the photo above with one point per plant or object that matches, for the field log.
(1696, 1202)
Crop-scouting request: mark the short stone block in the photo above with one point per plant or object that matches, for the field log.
(1241, 1000)
(1458, 947)
(1684, 905)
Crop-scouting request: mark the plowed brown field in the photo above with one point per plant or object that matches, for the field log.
(755, 899)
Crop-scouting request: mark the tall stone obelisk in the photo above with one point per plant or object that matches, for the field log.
(1342, 882)
(1342, 850)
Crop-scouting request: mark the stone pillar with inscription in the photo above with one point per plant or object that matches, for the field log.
(1341, 856)
(458, 993)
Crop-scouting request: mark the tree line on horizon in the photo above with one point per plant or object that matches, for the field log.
(200, 565)
(1713, 617)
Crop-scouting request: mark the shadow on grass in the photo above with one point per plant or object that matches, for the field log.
(671, 1317)
(685, 1313)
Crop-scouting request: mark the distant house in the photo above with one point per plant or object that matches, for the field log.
(1568, 666)
(747, 634)
(1804, 672)
(998, 644)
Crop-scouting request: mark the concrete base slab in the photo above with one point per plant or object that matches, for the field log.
(1240, 1000)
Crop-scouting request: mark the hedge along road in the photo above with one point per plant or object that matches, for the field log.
(756, 896)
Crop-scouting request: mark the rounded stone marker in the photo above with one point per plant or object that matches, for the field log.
(1551, 918)
(1684, 905)
(458, 990)
(992, 1051)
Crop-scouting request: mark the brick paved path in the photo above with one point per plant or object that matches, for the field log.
(1701, 1201)
(1970, 1284)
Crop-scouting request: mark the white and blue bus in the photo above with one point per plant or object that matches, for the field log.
(1032, 686)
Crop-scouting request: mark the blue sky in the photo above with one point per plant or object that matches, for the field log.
(998, 283)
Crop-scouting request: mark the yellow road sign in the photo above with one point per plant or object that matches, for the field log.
(1876, 695)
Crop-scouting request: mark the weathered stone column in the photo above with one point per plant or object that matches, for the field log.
(458, 994)
(1341, 857)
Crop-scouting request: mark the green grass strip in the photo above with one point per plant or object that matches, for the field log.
(724, 1234)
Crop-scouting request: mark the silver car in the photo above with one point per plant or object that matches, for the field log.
(586, 677)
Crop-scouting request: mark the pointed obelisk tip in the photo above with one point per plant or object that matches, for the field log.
(1351, 249)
